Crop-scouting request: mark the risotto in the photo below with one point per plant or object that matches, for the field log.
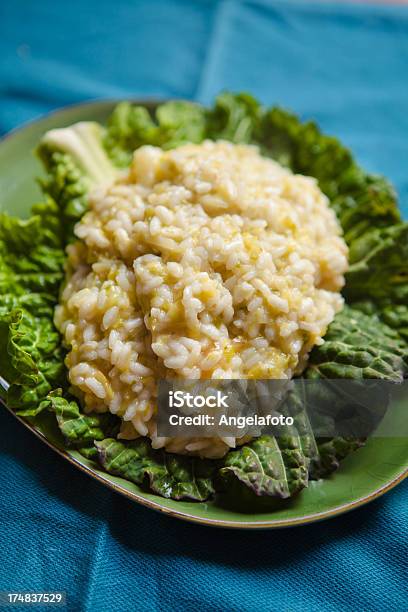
(205, 261)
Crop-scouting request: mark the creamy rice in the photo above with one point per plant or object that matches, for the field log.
(206, 261)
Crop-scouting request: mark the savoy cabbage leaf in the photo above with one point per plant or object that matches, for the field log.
(267, 466)
(173, 123)
(76, 161)
(396, 317)
(78, 429)
(235, 117)
(169, 475)
(379, 266)
(359, 346)
(31, 269)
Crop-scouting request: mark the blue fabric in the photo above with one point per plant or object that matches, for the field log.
(344, 65)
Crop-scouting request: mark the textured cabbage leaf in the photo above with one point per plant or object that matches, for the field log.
(235, 117)
(174, 476)
(32, 359)
(31, 257)
(173, 123)
(359, 346)
(379, 266)
(78, 429)
(129, 127)
(31, 269)
(268, 466)
(180, 122)
(323, 454)
(66, 184)
(76, 161)
(331, 452)
(396, 316)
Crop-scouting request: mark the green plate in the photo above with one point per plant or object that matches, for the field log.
(363, 476)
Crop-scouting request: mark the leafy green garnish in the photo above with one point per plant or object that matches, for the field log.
(379, 266)
(235, 117)
(66, 184)
(131, 126)
(32, 359)
(169, 475)
(397, 318)
(78, 429)
(331, 452)
(275, 467)
(83, 143)
(76, 161)
(180, 122)
(31, 256)
(359, 346)
(31, 269)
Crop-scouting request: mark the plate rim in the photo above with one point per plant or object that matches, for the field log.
(134, 496)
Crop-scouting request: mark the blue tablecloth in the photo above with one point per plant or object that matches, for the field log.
(344, 65)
